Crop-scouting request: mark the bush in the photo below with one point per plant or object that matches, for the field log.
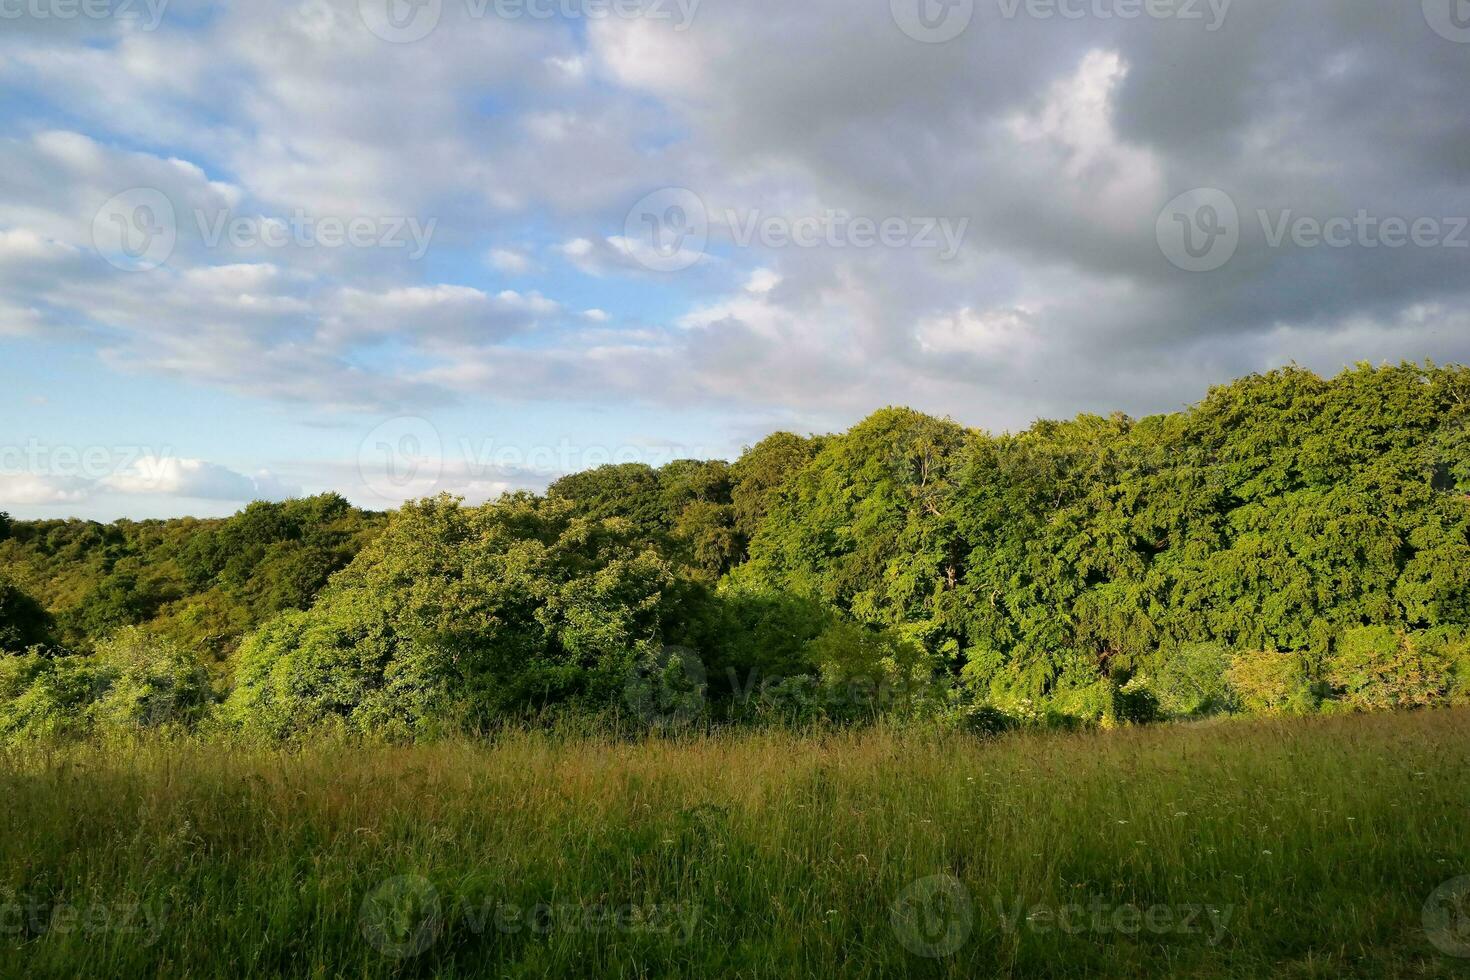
(134, 681)
(144, 681)
(866, 673)
(1136, 704)
(1377, 668)
(1192, 681)
(987, 721)
(1271, 683)
(45, 697)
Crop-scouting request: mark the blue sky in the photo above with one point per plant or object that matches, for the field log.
(670, 230)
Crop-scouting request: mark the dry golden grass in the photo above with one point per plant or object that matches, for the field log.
(1293, 848)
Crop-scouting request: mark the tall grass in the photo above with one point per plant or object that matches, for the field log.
(1303, 848)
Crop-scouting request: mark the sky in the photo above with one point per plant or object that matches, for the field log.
(397, 247)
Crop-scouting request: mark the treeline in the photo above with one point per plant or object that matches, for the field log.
(1289, 544)
(204, 584)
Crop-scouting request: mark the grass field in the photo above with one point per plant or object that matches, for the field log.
(1303, 848)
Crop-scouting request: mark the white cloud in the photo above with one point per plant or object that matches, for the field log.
(25, 488)
(194, 478)
(509, 261)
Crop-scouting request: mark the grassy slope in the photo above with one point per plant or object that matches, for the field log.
(1321, 840)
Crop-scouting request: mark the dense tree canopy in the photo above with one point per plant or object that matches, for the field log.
(203, 583)
(1289, 544)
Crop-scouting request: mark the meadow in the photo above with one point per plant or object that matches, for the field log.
(1308, 847)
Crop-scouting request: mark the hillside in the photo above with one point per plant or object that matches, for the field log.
(1290, 543)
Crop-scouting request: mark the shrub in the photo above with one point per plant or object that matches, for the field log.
(1191, 680)
(134, 681)
(1136, 704)
(145, 681)
(1376, 668)
(1271, 682)
(868, 672)
(987, 721)
(45, 697)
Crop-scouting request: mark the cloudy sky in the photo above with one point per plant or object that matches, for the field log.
(387, 247)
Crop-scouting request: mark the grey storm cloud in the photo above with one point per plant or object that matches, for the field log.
(1058, 132)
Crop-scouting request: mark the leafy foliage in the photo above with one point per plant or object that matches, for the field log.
(24, 623)
(1289, 542)
(134, 681)
(203, 583)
